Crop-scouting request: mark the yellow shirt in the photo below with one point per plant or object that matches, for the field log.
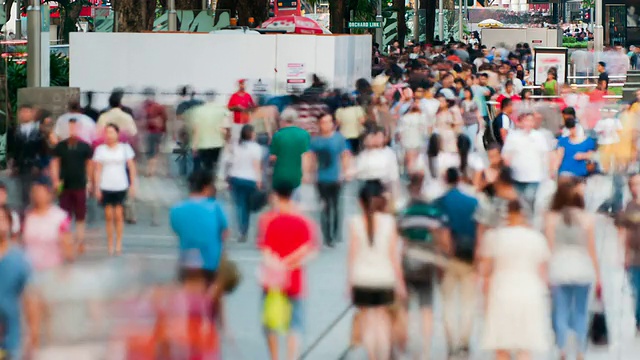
(208, 123)
(349, 119)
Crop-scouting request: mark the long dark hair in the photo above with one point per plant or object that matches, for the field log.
(567, 198)
(433, 149)
(464, 147)
(245, 134)
(373, 201)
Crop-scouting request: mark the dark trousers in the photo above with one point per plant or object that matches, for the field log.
(25, 181)
(330, 215)
(207, 159)
(241, 191)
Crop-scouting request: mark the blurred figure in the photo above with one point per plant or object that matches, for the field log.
(350, 119)
(573, 267)
(332, 162)
(287, 241)
(413, 132)
(15, 217)
(484, 180)
(245, 177)
(628, 223)
(15, 271)
(289, 153)
(503, 124)
(240, 103)
(459, 277)
(71, 172)
(603, 77)
(115, 179)
(89, 110)
(375, 272)
(514, 259)
(155, 119)
(116, 115)
(85, 127)
(28, 150)
(210, 130)
(473, 121)
(574, 152)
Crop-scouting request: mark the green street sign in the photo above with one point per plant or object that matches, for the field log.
(364, 24)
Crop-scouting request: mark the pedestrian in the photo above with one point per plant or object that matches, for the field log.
(573, 268)
(375, 271)
(15, 271)
(574, 152)
(459, 275)
(515, 287)
(200, 224)
(412, 132)
(289, 154)
(210, 130)
(473, 121)
(115, 179)
(15, 217)
(628, 222)
(332, 159)
(117, 115)
(155, 119)
(71, 171)
(527, 152)
(240, 103)
(484, 180)
(28, 149)
(287, 241)
(85, 126)
(350, 119)
(245, 177)
(422, 227)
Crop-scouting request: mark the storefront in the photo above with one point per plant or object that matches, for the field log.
(621, 22)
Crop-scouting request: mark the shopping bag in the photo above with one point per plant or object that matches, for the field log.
(276, 313)
(258, 200)
(598, 331)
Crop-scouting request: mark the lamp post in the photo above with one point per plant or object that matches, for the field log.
(379, 30)
(34, 44)
(441, 20)
(460, 24)
(598, 31)
(18, 20)
(173, 16)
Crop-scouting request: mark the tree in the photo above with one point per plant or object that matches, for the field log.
(135, 15)
(429, 6)
(257, 9)
(69, 15)
(188, 4)
(337, 15)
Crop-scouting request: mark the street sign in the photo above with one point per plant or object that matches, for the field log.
(364, 24)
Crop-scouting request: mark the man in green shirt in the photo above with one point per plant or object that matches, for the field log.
(289, 148)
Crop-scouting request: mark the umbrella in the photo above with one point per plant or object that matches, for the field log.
(490, 23)
(294, 24)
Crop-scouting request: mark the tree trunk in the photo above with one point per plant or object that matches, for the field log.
(337, 16)
(70, 13)
(135, 18)
(430, 16)
(188, 4)
(402, 22)
(257, 9)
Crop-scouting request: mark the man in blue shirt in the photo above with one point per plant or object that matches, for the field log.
(332, 156)
(200, 223)
(459, 209)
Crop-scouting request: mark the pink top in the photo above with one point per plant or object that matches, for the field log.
(41, 236)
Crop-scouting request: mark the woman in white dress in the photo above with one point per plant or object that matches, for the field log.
(413, 131)
(514, 262)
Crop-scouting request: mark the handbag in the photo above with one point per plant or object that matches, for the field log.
(598, 331)
(228, 274)
(258, 200)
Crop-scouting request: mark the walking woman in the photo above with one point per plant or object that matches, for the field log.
(574, 264)
(245, 177)
(514, 262)
(375, 273)
(115, 179)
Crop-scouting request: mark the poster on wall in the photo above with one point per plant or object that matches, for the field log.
(547, 58)
(296, 78)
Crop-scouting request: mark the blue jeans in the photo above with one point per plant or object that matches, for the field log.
(634, 276)
(570, 312)
(471, 131)
(528, 192)
(241, 191)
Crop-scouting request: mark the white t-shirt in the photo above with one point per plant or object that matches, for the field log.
(114, 166)
(377, 164)
(607, 130)
(243, 159)
(528, 153)
(413, 129)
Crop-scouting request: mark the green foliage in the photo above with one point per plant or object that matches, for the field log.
(569, 40)
(588, 4)
(576, 45)
(17, 76)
